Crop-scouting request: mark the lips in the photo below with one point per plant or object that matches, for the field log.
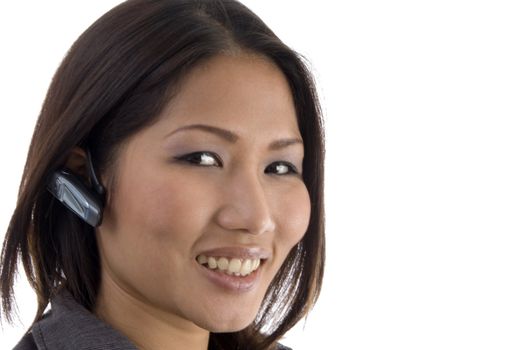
(233, 268)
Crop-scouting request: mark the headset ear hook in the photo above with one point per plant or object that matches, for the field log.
(93, 175)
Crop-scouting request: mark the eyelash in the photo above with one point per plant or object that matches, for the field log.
(186, 158)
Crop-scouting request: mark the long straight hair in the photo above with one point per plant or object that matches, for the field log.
(115, 81)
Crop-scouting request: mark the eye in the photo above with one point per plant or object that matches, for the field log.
(207, 159)
(281, 168)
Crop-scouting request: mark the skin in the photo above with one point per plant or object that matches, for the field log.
(163, 212)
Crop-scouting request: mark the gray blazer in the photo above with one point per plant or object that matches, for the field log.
(69, 326)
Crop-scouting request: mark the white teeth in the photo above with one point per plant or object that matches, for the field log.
(222, 263)
(246, 268)
(212, 262)
(234, 266)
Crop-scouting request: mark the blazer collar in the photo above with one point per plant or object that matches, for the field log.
(68, 325)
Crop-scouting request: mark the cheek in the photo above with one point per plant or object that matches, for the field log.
(294, 217)
(153, 222)
(168, 208)
(152, 213)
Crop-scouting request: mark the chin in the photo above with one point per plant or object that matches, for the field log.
(225, 324)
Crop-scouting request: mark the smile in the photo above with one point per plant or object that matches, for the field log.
(234, 266)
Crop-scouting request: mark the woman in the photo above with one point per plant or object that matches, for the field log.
(173, 190)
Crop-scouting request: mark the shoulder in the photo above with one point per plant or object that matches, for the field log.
(26, 343)
(283, 347)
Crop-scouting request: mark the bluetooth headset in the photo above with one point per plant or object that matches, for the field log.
(70, 190)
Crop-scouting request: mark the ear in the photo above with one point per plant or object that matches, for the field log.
(77, 163)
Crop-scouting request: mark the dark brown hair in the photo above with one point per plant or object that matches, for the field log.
(113, 82)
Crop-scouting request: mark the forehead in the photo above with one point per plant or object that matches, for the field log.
(246, 94)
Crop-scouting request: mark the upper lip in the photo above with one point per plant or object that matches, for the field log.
(252, 252)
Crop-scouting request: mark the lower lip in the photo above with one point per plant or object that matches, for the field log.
(231, 283)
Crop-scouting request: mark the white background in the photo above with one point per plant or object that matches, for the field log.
(425, 105)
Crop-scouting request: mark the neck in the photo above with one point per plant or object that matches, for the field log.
(147, 326)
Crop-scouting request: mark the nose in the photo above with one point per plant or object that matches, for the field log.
(246, 205)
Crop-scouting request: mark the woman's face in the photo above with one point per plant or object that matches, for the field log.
(194, 212)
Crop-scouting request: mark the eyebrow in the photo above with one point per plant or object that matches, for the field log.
(232, 137)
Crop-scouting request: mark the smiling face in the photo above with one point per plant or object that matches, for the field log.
(194, 207)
